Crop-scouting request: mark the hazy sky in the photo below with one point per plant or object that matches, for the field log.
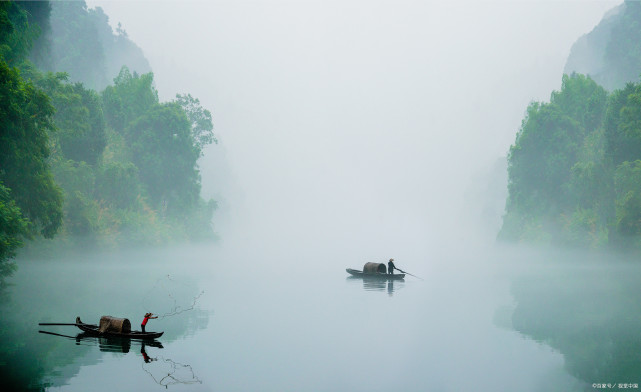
(359, 121)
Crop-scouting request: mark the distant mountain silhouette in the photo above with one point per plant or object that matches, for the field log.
(611, 52)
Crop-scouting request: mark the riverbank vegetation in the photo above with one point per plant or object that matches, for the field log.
(89, 168)
(574, 171)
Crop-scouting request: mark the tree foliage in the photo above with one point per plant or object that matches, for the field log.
(623, 125)
(130, 97)
(83, 44)
(111, 168)
(26, 116)
(13, 228)
(163, 132)
(16, 32)
(30, 201)
(627, 181)
(118, 185)
(200, 120)
(575, 168)
(80, 124)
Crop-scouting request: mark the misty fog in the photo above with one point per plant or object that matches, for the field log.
(348, 131)
(357, 126)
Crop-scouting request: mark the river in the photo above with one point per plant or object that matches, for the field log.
(478, 320)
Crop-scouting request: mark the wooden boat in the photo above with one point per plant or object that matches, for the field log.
(375, 275)
(102, 339)
(92, 329)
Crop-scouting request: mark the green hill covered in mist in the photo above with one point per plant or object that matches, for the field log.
(611, 53)
(89, 155)
(574, 171)
(79, 41)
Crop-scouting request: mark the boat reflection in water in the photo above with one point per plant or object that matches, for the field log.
(376, 278)
(114, 344)
(107, 344)
(377, 284)
(163, 371)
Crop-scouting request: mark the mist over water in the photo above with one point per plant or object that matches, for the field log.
(349, 132)
(500, 320)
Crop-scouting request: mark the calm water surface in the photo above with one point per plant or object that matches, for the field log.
(486, 322)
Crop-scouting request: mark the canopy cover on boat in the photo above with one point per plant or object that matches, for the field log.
(113, 324)
(373, 268)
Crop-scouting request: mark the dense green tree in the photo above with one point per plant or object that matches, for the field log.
(623, 125)
(26, 116)
(74, 176)
(581, 99)
(13, 228)
(77, 180)
(163, 132)
(16, 33)
(590, 189)
(78, 119)
(131, 96)
(553, 160)
(601, 202)
(78, 144)
(540, 162)
(200, 120)
(598, 200)
(38, 15)
(627, 180)
(30, 201)
(118, 185)
(117, 167)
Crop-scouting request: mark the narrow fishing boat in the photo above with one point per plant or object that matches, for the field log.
(375, 271)
(111, 326)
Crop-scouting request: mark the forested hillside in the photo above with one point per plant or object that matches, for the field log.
(79, 41)
(91, 168)
(611, 53)
(575, 167)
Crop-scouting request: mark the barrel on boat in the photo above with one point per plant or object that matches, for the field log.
(114, 324)
(374, 268)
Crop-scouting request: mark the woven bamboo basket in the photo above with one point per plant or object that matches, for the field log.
(114, 324)
(373, 268)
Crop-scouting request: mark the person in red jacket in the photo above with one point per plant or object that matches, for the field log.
(144, 321)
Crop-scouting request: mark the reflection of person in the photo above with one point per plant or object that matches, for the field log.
(144, 321)
(391, 267)
(145, 357)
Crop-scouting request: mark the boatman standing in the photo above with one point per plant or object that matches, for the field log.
(144, 321)
(390, 266)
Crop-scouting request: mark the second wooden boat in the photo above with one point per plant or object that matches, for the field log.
(375, 275)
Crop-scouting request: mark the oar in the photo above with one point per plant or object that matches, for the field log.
(58, 334)
(409, 273)
(58, 324)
